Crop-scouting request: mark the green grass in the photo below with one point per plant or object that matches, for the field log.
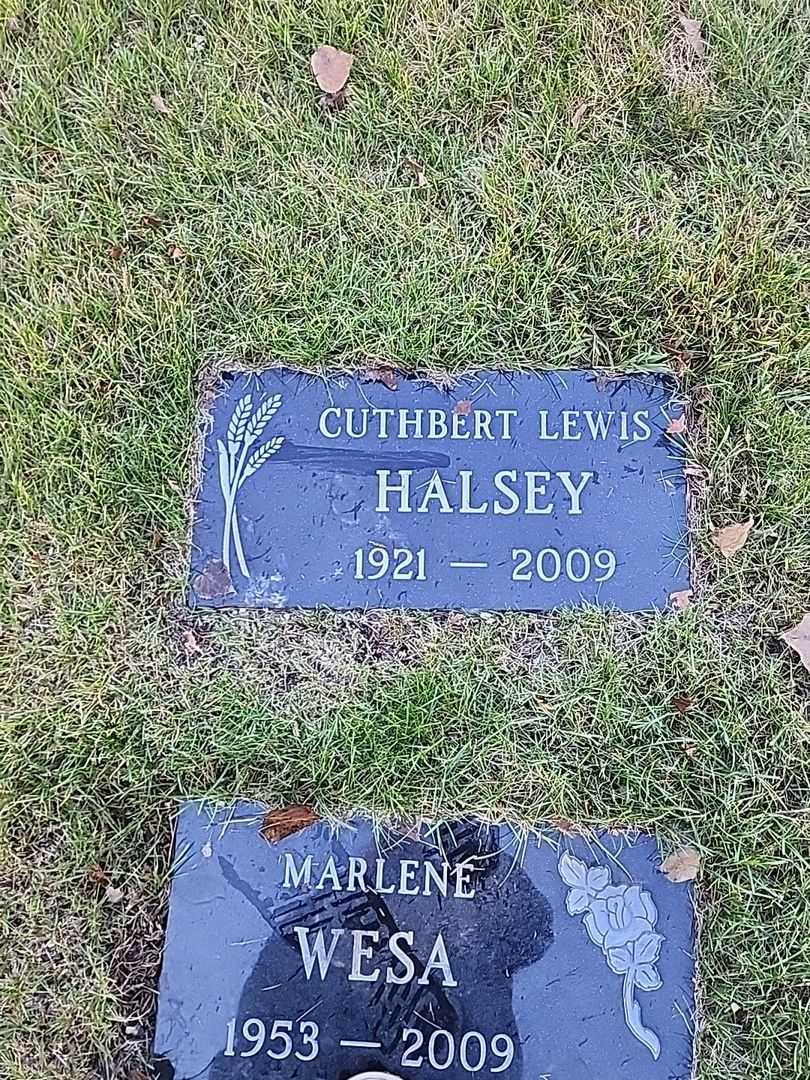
(672, 220)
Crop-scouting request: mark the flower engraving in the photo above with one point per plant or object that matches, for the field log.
(237, 464)
(620, 919)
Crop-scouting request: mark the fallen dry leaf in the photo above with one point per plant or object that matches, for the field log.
(798, 638)
(331, 68)
(579, 113)
(387, 376)
(159, 105)
(677, 425)
(214, 581)
(285, 821)
(190, 643)
(152, 221)
(175, 252)
(113, 895)
(682, 865)
(731, 538)
(416, 170)
(682, 703)
(97, 875)
(681, 599)
(115, 252)
(692, 31)
(463, 408)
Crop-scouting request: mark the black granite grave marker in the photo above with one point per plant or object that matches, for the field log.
(451, 951)
(508, 492)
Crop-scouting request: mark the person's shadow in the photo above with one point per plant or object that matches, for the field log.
(506, 927)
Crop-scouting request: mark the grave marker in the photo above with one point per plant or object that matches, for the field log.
(454, 951)
(512, 491)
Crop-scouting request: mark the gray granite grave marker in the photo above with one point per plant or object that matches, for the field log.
(455, 951)
(512, 491)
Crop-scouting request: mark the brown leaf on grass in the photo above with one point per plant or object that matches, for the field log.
(285, 821)
(693, 32)
(416, 170)
(798, 638)
(682, 865)
(113, 895)
(579, 113)
(463, 408)
(682, 703)
(331, 68)
(97, 875)
(387, 376)
(213, 581)
(731, 538)
(159, 105)
(152, 221)
(190, 643)
(681, 599)
(676, 426)
(175, 252)
(115, 252)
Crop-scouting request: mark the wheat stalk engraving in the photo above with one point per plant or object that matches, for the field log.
(236, 464)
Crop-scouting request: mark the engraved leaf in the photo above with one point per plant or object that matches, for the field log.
(241, 414)
(598, 878)
(265, 412)
(620, 959)
(647, 977)
(798, 638)
(730, 539)
(647, 948)
(286, 820)
(682, 865)
(258, 457)
(224, 471)
(331, 68)
(573, 871)
(576, 902)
